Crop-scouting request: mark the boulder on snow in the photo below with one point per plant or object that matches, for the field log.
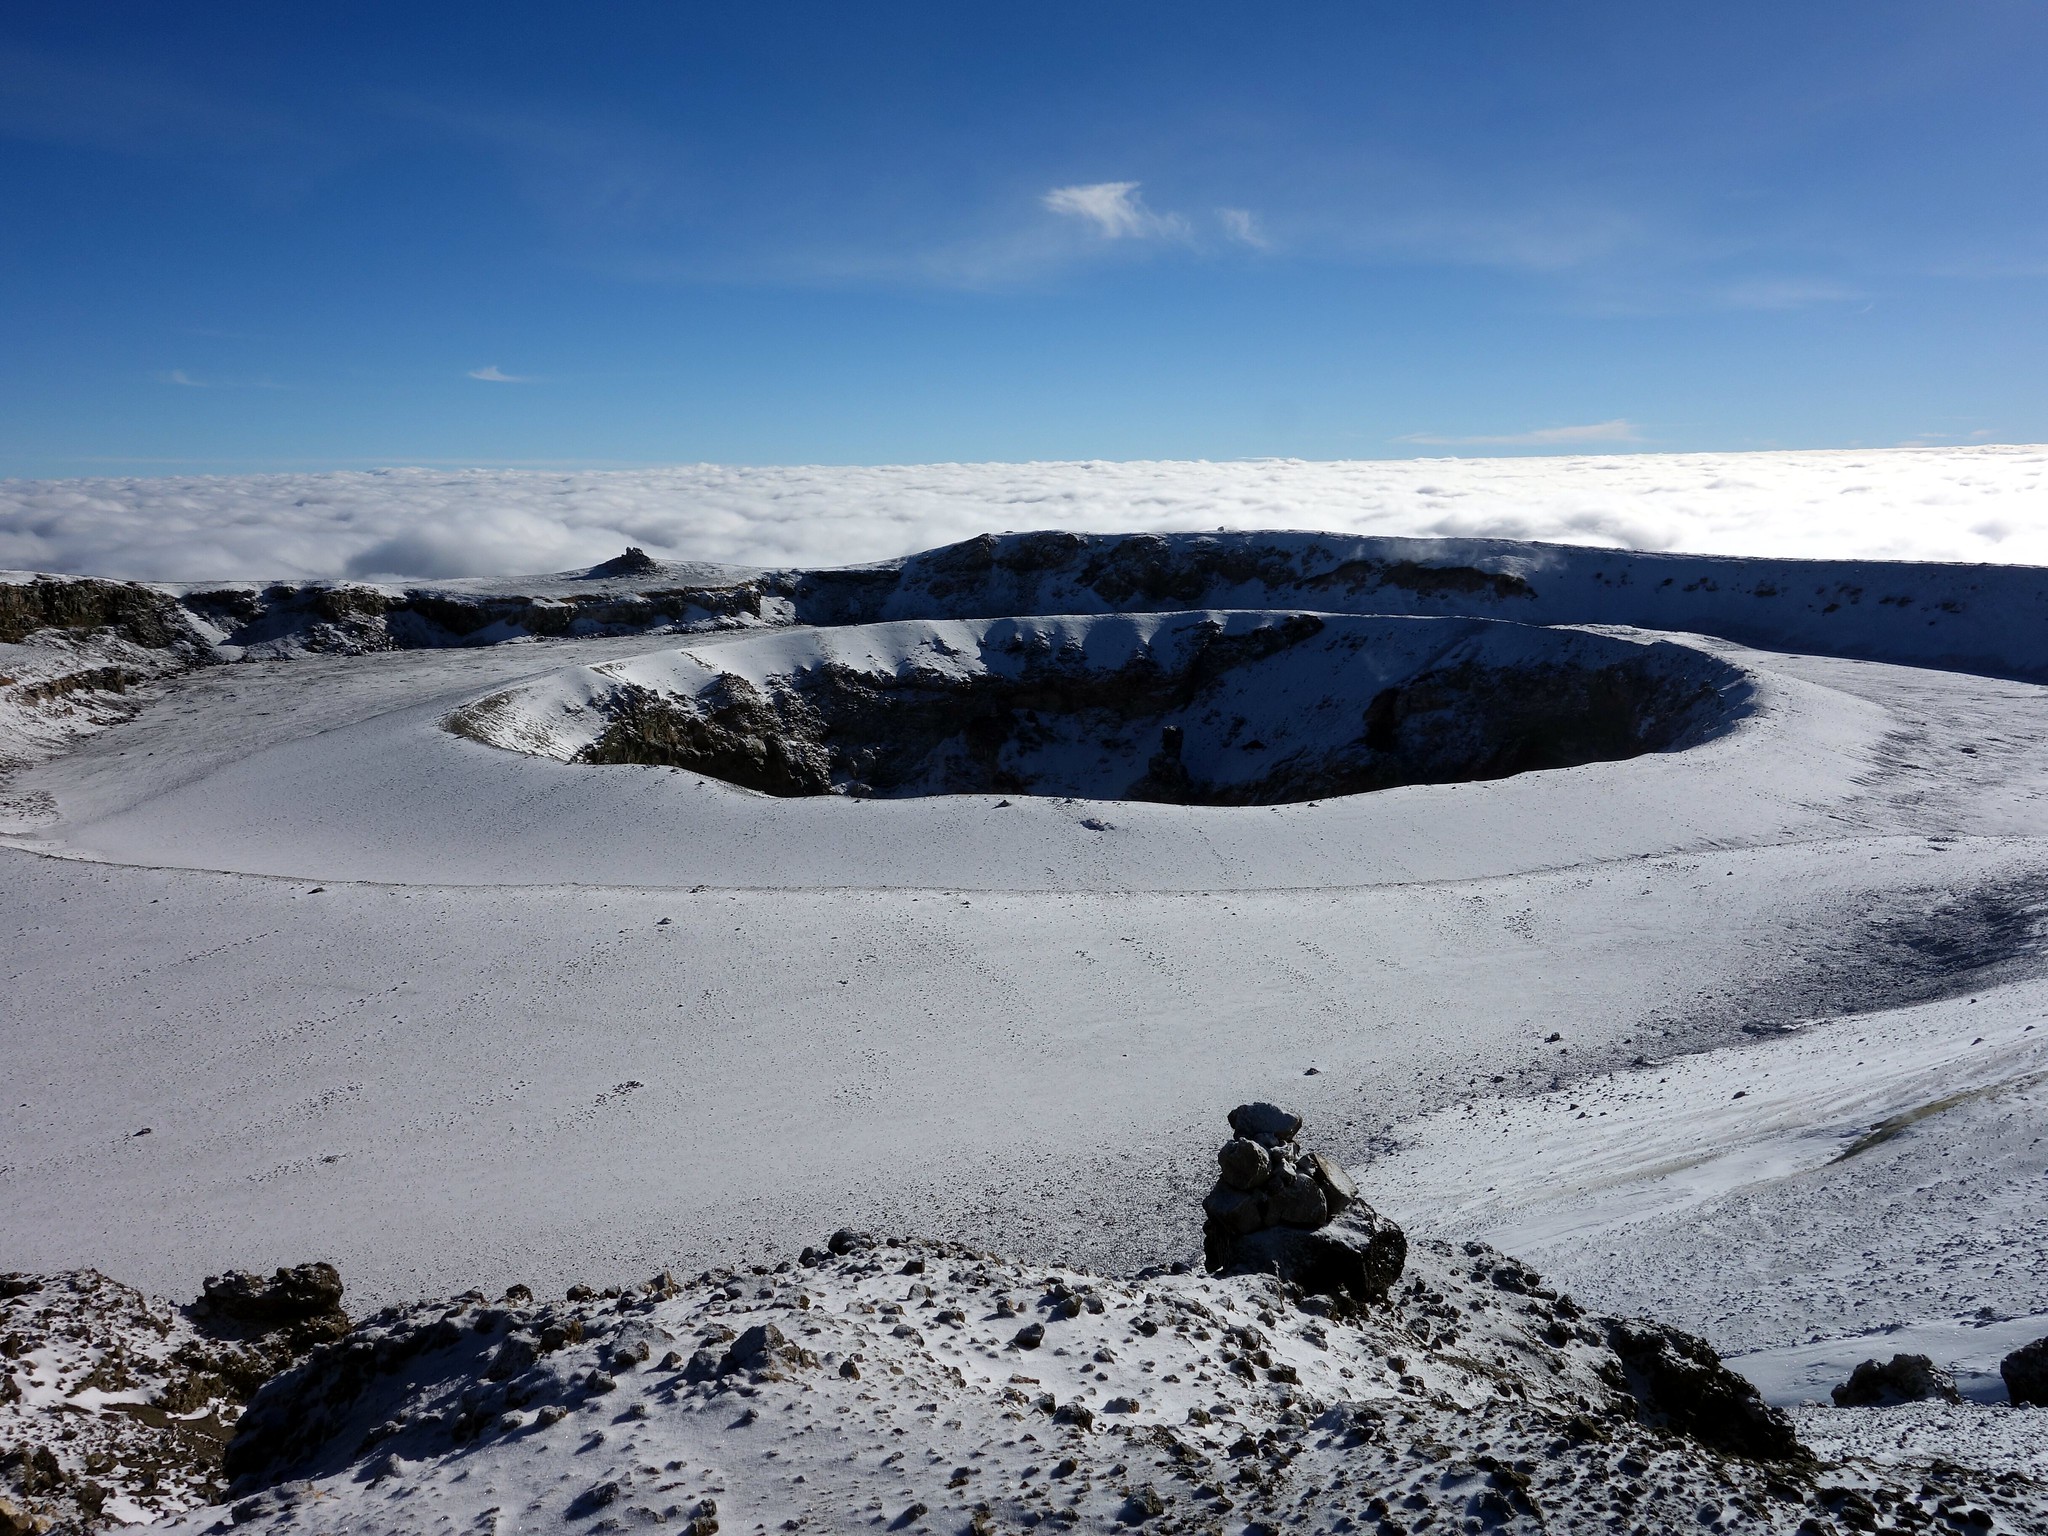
(764, 1352)
(1359, 1256)
(1678, 1382)
(2026, 1374)
(1338, 1190)
(1903, 1379)
(1267, 1124)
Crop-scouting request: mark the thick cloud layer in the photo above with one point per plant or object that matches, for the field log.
(1976, 504)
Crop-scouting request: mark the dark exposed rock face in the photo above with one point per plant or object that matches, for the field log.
(347, 620)
(303, 1303)
(1902, 1379)
(1061, 572)
(134, 612)
(2025, 1371)
(174, 1381)
(736, 734)
(1679, 1382)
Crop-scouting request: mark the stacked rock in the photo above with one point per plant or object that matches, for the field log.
(1268, 1181)
(1280, 1209)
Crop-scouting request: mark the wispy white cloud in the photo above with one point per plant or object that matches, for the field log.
(1242, 225)
(1943, 439)
(1787, 293)
(184, 380)
(493, 374)
(1117, 211)
(1615, 431)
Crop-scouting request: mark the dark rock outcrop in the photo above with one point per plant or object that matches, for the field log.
(136, 613)
(1679, 1383)
(2026, 1374)
(634, 562)
(1360, 1255)
(302, 1303)
(1902, 1379)
(764, 1353)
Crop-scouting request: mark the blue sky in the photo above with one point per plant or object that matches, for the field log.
(264, 236)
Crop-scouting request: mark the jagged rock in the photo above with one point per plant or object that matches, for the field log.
(764, 1351)
(305, 1301)
(1359, 1256)
(1679, 1382)
(2026, 1374)
(1166, 776)
(1267, 1124)
(703, 1365)
(1338, 1190)
(1244, 1162)
(1904, 1379)
(516, 1354)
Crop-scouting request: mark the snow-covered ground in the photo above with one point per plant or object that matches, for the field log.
(1971, 504)
(1747, 1035)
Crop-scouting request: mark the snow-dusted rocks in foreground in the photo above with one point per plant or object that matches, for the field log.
(115, 1409)
(923, 1386)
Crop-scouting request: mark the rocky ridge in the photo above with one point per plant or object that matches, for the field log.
(116, 1409)
(926, 1386)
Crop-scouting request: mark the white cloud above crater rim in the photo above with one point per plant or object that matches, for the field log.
(1963, 503)
(1618, 430)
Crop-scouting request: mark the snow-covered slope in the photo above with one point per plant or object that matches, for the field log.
(397, 797)
(454, 1015)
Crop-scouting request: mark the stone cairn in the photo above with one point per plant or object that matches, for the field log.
(1276, 1209)
(1265, 1180)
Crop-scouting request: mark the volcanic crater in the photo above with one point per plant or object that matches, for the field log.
(1198, 708)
